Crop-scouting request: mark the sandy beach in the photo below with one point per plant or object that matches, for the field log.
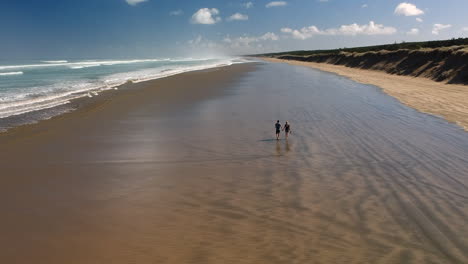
(425, 95)
(185, 169)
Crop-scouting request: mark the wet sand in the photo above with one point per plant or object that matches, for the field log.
(425, 95)
(186, 170)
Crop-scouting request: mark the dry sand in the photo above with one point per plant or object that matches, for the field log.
(185, 170)
(446, 100)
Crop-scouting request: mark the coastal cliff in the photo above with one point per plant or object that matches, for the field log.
(444, 64)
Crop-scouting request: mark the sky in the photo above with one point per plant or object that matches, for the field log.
(59, 29)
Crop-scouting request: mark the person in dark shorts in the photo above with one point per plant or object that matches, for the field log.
(287, 129)
(278, 128)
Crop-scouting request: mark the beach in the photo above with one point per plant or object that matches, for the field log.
(186, 169)
(425, 95)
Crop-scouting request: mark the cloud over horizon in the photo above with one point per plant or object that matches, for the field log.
(238, 17)
(235, 45)
(413, 32)
(276, 4)
(248, 5)
(134, 2)
(252, 43)
(176, 12)
(408, 9)
(206, 16)
(344, 30)
(439, 27)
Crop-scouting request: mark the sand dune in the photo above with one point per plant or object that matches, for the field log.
(443, 64)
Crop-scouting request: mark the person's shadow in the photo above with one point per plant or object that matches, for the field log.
(269, 140)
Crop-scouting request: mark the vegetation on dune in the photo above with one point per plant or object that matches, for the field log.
(388, 47)
(443, 61)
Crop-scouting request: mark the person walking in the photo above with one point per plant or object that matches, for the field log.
(278, 128)
(287, 129)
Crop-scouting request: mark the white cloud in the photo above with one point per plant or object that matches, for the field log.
(465, 29)
(347, 30)
(206, 16)
(247, 41)
(419, 19)
(242, 41)
(413, 32)
(196, 40)
(439, 27)
(276, 3)
(269, 36)
(243, 44)
(135, 2)
(303, 33)
(370, 29)
(238, 16)
(407, 9)
(176, 12)
(364, 6)
(201, 43)
(248, 5)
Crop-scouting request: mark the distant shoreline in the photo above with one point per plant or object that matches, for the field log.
(80, 99)
(422, 94)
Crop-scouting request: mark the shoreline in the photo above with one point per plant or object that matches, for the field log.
(440, 99)
(64, 102)
(84, 104)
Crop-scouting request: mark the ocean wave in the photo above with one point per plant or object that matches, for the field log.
(60, 93)
(83, 66)
(32, 108)
(151, 74)
(10, 73)
(55, 61)
(76, 64)
(44, 99)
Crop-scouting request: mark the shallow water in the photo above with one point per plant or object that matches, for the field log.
(362, 179)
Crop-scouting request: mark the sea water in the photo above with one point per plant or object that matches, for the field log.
(34, 90)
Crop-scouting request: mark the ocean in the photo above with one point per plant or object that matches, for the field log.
(36, 90)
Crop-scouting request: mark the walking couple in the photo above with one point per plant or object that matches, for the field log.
(279, 128)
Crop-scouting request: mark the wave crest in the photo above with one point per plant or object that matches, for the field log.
(10, 73)
(55, 61)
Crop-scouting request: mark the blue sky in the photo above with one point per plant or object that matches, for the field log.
(167, 28)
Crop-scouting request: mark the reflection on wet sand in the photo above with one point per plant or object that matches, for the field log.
(185, 179)
(282, 147)
(278, 148)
